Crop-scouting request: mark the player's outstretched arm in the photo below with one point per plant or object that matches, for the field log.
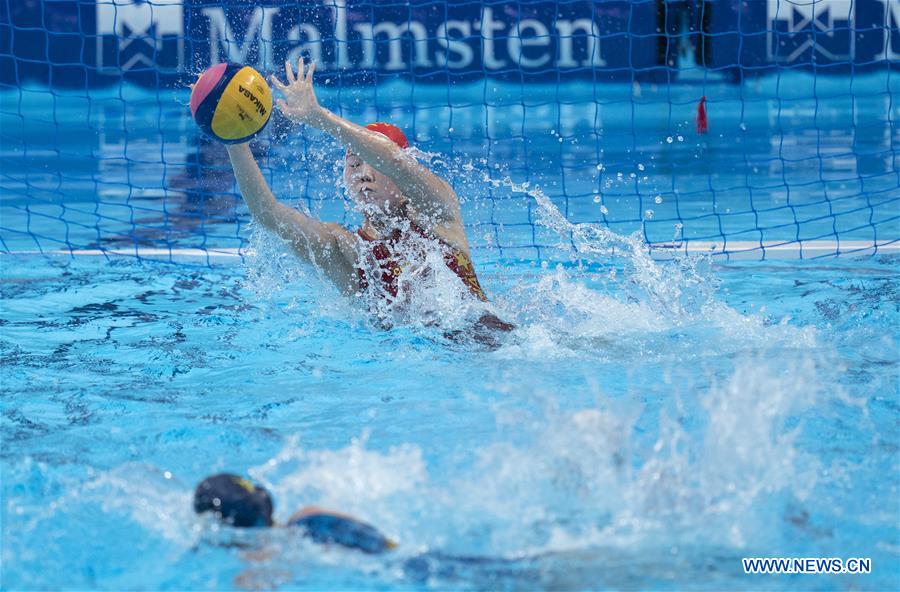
(327, 246)
(428, 193)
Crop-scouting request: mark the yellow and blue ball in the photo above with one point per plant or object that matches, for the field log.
(231, 103)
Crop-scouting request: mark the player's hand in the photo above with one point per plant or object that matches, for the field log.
(299, 103)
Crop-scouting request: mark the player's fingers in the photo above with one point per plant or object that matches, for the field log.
(289, 72)
(282, 106)
(301, 68)
(309, 73)
(277, 83)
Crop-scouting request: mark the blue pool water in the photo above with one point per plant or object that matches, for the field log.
(647, 425)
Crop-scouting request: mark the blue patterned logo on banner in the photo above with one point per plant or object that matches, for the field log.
(801, 32)
(137, 35)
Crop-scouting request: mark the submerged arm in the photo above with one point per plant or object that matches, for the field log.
(327, 246)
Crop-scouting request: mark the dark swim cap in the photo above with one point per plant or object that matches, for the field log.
(328, 528)
(235, 500)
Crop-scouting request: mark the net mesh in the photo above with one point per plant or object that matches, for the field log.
(596, 103)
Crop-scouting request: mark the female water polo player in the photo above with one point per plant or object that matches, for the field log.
(412, 218)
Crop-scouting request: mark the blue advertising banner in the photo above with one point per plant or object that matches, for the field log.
(825, 35)
(167, 42)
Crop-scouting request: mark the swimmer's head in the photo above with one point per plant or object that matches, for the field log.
(367, 186)
(234, 500)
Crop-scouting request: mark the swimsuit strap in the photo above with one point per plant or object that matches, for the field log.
(457, 261)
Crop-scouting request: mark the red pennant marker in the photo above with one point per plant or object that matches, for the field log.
(702, 121)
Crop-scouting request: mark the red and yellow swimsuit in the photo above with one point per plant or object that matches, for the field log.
(389, 266)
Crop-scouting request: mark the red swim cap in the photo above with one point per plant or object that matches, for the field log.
(391, 131)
